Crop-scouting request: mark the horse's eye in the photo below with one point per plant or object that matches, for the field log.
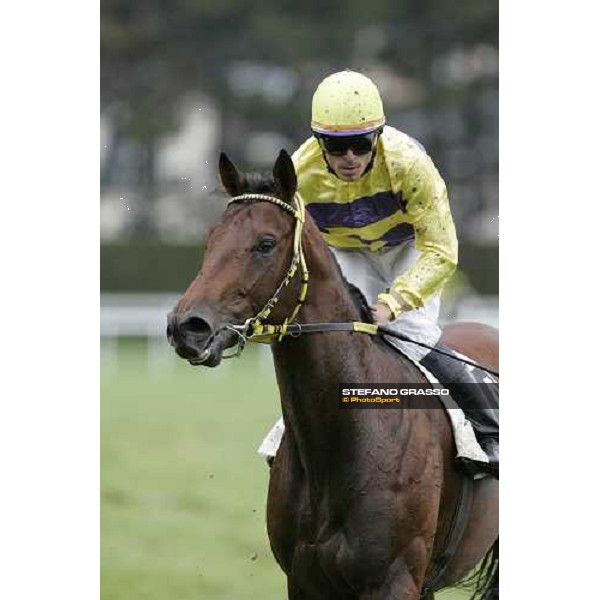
(265, 245)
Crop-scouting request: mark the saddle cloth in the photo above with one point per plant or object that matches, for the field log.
(466, 443)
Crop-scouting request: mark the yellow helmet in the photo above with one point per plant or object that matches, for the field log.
(346, 103)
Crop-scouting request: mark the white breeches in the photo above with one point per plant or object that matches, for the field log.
(374, 272)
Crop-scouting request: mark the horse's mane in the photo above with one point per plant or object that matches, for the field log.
(358, 298)
(262, 182)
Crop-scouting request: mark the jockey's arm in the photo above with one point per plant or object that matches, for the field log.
(428, 211)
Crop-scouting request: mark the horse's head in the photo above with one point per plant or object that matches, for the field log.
(246, 257)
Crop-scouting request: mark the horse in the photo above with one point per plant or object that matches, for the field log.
(360, 502)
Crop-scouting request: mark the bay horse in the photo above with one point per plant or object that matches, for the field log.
(360, 502)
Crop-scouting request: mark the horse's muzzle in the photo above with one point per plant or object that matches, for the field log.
(195, 339)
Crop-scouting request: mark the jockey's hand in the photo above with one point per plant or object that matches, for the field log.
(382, 314)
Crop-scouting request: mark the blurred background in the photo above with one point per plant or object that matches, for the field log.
(183, 491)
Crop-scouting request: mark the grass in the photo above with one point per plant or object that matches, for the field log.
(183, 490)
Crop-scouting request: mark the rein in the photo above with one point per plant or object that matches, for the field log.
(255, 330)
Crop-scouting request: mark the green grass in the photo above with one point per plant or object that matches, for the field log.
(183, 490)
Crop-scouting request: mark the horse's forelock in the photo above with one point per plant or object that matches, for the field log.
(259, 183)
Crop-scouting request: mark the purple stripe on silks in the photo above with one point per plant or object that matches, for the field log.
(399, 234)
(395, 236)
(359, 213)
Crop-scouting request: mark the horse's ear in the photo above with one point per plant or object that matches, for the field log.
(230, 177)
(284, 176)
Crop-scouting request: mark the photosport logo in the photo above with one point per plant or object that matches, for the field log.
(396, 395)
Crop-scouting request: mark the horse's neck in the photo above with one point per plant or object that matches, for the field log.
(311, 367)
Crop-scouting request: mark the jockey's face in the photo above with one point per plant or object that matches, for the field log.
(349, 156)
(349, 166)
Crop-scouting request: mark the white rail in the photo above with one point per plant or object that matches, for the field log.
(136, 315)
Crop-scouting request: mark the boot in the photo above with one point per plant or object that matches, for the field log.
(477, 395)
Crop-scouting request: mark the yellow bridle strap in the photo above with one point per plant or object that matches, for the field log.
(264, 333)
(299, 252)
(370, 328)
(298, 211)
(269, 333)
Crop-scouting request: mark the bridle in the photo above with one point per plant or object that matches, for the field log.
(255, 329)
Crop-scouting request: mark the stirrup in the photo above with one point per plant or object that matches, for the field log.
(475, 468)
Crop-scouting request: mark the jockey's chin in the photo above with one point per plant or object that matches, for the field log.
(350, 166)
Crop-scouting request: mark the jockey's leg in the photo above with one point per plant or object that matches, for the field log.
(477, 394)
(373, 272)
(472, 389)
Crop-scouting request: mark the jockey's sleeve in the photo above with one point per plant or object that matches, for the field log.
(428, 210)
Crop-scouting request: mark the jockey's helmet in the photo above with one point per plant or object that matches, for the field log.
(346, 103)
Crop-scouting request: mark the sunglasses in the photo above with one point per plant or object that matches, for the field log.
(339, 145)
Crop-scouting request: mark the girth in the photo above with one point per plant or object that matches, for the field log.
(460, 518)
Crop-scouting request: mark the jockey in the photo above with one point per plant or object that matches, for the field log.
(383, 209)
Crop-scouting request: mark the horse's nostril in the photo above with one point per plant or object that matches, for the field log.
(197, 325)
